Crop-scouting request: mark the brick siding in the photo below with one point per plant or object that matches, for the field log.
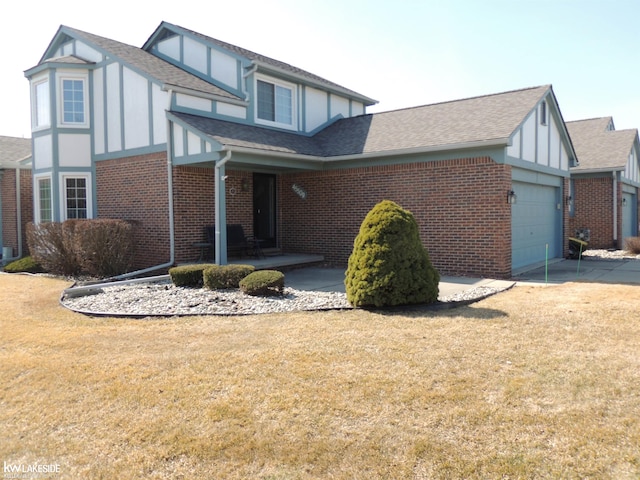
(9, 210)
(135, 189)
(460, 207)
(593, 210)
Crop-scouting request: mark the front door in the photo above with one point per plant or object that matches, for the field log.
(264, 208)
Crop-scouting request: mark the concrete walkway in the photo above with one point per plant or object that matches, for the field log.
(623, 271)
(332, 280)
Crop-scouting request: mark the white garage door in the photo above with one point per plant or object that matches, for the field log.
(535, 224)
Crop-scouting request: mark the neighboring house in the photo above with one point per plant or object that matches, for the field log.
(604, 187)
(16, 199)
(188, 131)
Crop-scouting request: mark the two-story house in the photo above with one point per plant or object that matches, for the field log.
(604, 187)
(189, 131)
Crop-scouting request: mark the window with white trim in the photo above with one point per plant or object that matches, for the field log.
(76, 197)
(73, 101)
(275, 103)
(45, 210)
(42, 109)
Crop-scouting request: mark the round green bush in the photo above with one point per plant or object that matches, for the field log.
(24, 264)
(389, 265)
(263, 282)
(225, 276)
(188, 275)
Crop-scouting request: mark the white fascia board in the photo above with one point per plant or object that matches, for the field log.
(301, 78)
(209, 96)
(364, 156)
(578, 170)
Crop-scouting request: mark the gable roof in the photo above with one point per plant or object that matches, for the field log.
(472, 122)
(164, 72)
(261, 61)
(597, 147)
(13, 150)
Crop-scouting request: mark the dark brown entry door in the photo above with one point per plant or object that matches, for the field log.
(264, 208)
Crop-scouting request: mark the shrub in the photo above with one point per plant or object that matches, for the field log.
(25, 264)
(52, 245)
(263, 282)
(104, 247)
(188, 275)
(632, 245)
(99, 247)
(389, 265)
(225, 276)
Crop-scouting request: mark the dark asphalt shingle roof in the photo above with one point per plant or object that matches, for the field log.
(448, 124)
(285, 67)
(153, 66)
(13, 149)
(599, 148)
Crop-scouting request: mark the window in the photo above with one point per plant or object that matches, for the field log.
(41, 117)
(543, 113)
(45, 212)
(275, 103)
(73, 101)
(76, 197)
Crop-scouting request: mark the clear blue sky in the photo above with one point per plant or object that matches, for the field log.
(401, 52)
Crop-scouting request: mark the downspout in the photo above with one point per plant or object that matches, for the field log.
(18, 214)
(244, 84)
(615, 209)
(221, 210)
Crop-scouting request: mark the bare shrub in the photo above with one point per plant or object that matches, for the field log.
(104, 247)
(52, 245)
(632, 245)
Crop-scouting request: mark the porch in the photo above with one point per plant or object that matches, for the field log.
(280, 261)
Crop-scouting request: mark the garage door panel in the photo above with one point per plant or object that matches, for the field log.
(535, 224)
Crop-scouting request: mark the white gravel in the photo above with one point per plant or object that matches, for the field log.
(165, 299)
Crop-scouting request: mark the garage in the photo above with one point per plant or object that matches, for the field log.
(535, 224)
(628, 216)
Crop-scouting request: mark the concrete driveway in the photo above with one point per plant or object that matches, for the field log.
(588, 269)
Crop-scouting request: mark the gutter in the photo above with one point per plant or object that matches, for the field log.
(245, 75)
(364, 156)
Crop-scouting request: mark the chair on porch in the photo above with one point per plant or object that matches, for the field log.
(241, 244)
(238, 244)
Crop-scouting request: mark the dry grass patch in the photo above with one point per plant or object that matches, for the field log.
(533, 382)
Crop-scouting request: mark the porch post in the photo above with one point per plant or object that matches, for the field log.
(221, 210)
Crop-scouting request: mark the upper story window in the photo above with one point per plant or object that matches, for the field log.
(42, 110)
(543, 113)
(275, 103)
(73, 101)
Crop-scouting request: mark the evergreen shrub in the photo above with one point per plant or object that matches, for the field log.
(225, 276)
(189, 275)
(389, 266)
(263, 283)
(24, 264)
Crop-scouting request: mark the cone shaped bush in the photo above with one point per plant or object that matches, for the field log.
(389, 265)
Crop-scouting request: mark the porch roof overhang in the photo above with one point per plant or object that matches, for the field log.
(283, 151)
